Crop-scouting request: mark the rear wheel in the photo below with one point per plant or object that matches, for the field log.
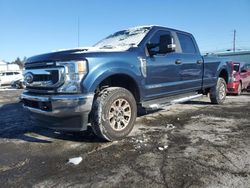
(248, 88)
(218, 92)
(114, 113)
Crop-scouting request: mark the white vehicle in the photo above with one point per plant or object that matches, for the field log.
(7, 77)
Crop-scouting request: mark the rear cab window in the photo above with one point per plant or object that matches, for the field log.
(248, 67)
(243, 66)
(9, 73)
(186, 43)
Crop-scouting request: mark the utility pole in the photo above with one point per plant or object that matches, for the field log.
(78, 31)
(234, 41)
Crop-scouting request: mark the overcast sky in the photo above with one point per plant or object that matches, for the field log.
(30, 27)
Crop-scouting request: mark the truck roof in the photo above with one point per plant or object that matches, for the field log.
(159, 27)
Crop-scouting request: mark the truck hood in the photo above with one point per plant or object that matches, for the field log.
(73, 54)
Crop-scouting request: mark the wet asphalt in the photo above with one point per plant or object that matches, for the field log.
(194, 144)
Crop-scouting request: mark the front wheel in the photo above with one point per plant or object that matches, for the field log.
(113, 114)
(218, 92)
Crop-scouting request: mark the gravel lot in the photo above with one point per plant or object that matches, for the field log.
(195, 144)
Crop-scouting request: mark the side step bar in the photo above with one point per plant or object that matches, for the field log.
(185, 99)
(156, 106)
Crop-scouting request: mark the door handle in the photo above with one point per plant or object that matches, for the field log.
(199, 62)
(178, 61)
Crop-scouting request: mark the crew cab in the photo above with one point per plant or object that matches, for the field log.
(240, 74)
(103, 86)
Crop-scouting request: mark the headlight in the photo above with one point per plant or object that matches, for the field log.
(74, 72)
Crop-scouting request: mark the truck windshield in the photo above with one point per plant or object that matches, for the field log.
(125, 38)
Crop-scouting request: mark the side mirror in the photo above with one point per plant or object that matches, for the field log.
(172, 47)
(150, 48)
(166, 44)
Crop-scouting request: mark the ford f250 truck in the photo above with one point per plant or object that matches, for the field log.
(104, 85)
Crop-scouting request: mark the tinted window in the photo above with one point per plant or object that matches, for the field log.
(16, 72)
(242, 66)
(187, 44)
(9, 73)
(237, 67)
(248, 66)
(155, 41)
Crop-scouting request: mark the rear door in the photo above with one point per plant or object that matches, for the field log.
(248, 74)
(17, 76)
(191, 63)
(9, 77)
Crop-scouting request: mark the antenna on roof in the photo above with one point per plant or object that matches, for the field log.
(78, 31)
(234, 41)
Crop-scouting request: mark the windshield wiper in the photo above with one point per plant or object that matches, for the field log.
(107, 46)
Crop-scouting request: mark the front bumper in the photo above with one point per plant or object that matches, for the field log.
(60, 112)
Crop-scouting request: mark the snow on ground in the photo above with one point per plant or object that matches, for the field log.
(7, 88)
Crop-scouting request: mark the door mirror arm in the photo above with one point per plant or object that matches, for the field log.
(172, 47)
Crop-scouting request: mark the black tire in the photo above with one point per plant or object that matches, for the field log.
(113, 114)
(218, 92)
(239, 89)
(18, 86)
(248, 89)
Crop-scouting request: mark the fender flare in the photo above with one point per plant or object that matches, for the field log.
(92, 82)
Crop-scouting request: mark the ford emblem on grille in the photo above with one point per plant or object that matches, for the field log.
(28, 78)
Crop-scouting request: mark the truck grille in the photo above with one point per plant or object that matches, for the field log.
(43, 77)
(40, 65)
(52, 77)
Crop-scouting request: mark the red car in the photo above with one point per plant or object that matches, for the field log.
(240, 78)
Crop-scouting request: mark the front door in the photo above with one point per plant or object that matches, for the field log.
(163, 77)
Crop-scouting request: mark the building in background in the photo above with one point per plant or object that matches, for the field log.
(240, 56)
(8, 67)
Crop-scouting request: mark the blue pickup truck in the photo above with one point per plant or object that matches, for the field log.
(103, 86)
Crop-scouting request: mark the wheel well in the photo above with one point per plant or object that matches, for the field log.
(224, 74)
(121, 80)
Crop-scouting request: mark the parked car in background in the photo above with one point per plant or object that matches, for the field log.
(8, 77)
(240, 77)
(18, 84)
